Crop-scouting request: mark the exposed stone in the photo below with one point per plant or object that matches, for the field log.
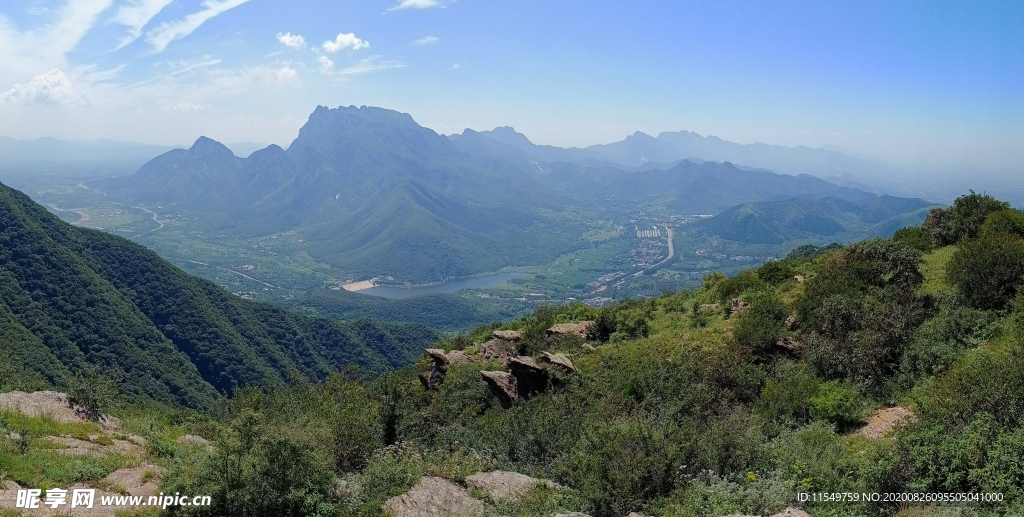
(56, 405)
(530, 377)
(884, 420)
(75, 447)
(737, 307)
(434, 497)
(571, 514)
(503, 385)
(438, 355)
(191, 440)
(588, 348)
(580, 329)
(137, 440)
(10, 485)
(799, 278)
(792, 512)
(135, 481)
(8, 499)
(498, 349)
(508, 335)
(13, 436)
(560, 361)
(636, 514)
(458, 357)
(789, 343)
(790, 321)
(506, 485)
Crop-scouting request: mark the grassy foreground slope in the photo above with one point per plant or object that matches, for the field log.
(681, 405)
(74, 298)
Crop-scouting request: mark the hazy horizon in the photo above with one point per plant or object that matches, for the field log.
(918, 87)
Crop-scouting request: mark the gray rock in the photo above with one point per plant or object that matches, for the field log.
(191, 440)
(560, 361)
(503, 385)
(737, 307)
(580, 329)
(530, 377)
(588, 348)
(434, 497)
(498, 349)
(506, 485)
(508, 335)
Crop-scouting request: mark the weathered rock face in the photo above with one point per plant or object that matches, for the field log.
(580, 329)
(508, 335)
(737, 307)
(498, 349)
(442, 362)
(884, 420)
(588, 348)
(503, 386)
(54, 404)
(792, 512)
(530, 377)
(789, 344)
(135, 481)
(434, 497)
(456, 357)
(559, 361)
(506, 485)
(790, 322)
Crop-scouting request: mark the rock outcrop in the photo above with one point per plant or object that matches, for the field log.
(144, 480)
(434, 497)
(506, 485)
(588, 348)
(503, 385)
(559, 361)
(530, 377)
(789, 344)
(508, 335)
(442, 361)
(563, 329)
(499, 349)
(884, 420)
(56, 405)
(737, 307)
(790, 322)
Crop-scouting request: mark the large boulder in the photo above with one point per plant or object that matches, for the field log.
(579, 329)
(442, 362)
(503, 385)
(530, 377)
(499, 349)
(434, 497)
(506, 485)
(144, 480)
(56, 406)
(560, 361)
(737, 307)
(508, 335)
(438, 356)
(881, 422)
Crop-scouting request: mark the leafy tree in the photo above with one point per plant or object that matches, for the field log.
(91, 389)
(758, 328)
(776, 272)
(1008, 222)
(987, 271)
(963, 220)
(914, 236)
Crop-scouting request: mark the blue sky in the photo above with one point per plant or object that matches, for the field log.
(917, 84)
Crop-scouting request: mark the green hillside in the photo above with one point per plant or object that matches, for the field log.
(885, 366)
(74, 297)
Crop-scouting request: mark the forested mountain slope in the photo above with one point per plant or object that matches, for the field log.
(887, 366)
(73, 297)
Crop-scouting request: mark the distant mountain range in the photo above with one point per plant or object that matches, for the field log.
(376, 194)
(72, 297)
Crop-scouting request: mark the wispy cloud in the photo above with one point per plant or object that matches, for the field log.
(186, 107)
(53, 87)
(371, 64)
(427, 40)
(167, 32)
(326, 65)
(135, 14)
(292, 41)
(418, 4)
(23, 53)
(344, 41)
(184, 68)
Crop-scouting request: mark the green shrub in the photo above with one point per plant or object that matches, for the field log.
(914, 236)
(746, 281)
(91, 389)
(787, 396)
(836, 403)
(986, 272)
(1004, 222)
(963, 220)
(759, 326)
(776, 272)
(940, 340)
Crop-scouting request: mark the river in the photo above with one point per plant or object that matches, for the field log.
(476, 282)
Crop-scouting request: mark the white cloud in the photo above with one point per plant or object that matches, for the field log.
(344, 41)
(371, 64)
(273, 76)
(417, 4)
(186, 107)
(53, 87)
(184, 67)
(26, 53)
(167, 32)
(135, 14)
(326, 65)
(427, 40)
(293, 41)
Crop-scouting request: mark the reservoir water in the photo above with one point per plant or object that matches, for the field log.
(477, 282)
